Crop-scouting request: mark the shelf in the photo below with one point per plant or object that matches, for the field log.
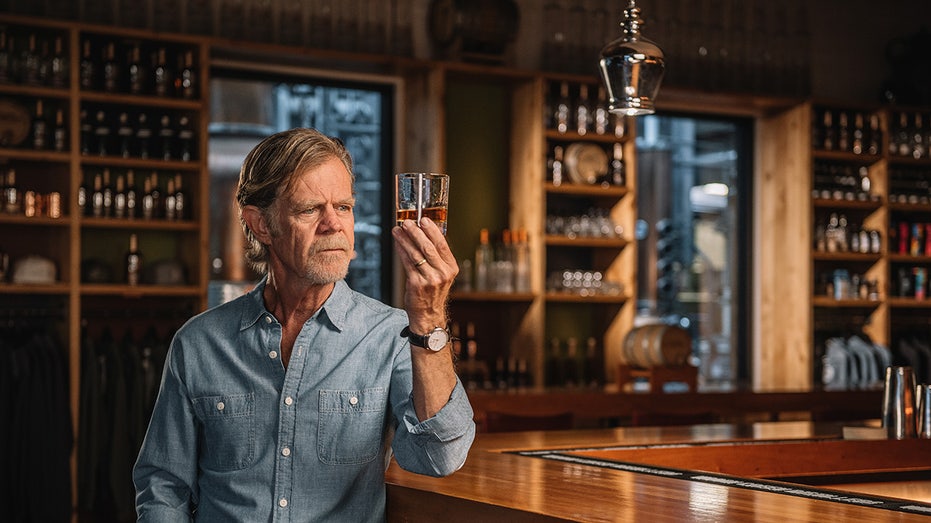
(909, 207)
(35, 91)
(24, 288)
(830, 203)
(574, 189)
(139, 163)
(846, 156)
(829, 302)
(846, 257)
(140, 291)
(511, 297)
(908, 258)
(576, 298)
(35, 156)
(909, 303)
(122, 223)
(908, 160)
(565, 241)
(141, 100)
(39, 221)
(572, 136)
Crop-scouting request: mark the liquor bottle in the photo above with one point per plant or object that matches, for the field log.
(186, 84)
(185, 149)
(829, 131)
(919, 147)
(29, 63)
(12, 203)
(60, 132)
(166, 138)
(119, 198)
(571, 364)
(83, 193)
(102, 137)
(484, 261)
(180, 199)
(161, 74)
(58, 66)
(88, 68)
(6, 59)
(556, 168)
(875, 136)
(112, 72)
(97, 196)
(902, 139)
(554, 369)
(617, 175)
(124, 135)
(39, 127)
(593, 366)
(132, 195)
(856, 145)
(148, 204)
(843, 132)
(136, 72)
(107, 194)
(170, 200)
(143, 136)
(561, 118)
(133, 262)
(583, 112)
(158, 205)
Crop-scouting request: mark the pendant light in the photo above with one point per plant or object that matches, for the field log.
(632, 68)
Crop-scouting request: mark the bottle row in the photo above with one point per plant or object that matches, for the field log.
(841, 181)
(581, 282)
(910, 185)
(103, 194)
(37, 124)
(910, 282)
(141, 134)
(33, 59)
(910, 134)
(838, 235)
(582, 109)
(568, 365)
(841, 285)
(140, 68)
(500, 267)
(586, 163)
(911, 238)
(29, 203)
(480, 372)
(855, 132)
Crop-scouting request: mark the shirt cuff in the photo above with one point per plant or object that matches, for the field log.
(451, 422)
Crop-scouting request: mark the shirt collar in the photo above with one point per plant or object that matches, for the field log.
(335, 308)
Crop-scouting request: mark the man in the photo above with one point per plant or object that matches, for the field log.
(280, 405)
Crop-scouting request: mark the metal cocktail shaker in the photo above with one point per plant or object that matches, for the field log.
(924, 411)
(899, 403)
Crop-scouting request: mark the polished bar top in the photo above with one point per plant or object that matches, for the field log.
(497, 484)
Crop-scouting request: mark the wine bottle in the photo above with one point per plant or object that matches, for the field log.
(484, 261)
(617, 175)
(562, 108)
(83, 207)
(39, 127)
(158, 206)
(102, 133)
(107, 194)
(148, 204)
(60, 132)
(583, 111)
(97, 196)
(124, 135)
(556, 170)
(112, 73)
(87, 67)
(119, 198)
(166, 138)
(601, 115)
(29, 63)
(136, 72)
(12, 203)
(185, 149)
(143, 136)
(6, 60)
(132, 195)
(58, 66)
(133, 262)
(87, 133)
(180, 199)
(161, 74)
(170, 200)
(187, 78)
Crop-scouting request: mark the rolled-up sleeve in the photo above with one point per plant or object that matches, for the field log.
(437, 446)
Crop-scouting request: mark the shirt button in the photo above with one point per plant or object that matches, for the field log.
(221, 405)
(282, 503)
(273, 354)
(353, 400)
(286, 452)
(268, 319)
(289, 400)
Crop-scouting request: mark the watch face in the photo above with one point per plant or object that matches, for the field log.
(437, 339)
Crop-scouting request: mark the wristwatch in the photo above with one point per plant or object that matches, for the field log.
(435, 340)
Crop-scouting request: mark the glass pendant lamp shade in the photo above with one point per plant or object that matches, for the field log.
(632, 68)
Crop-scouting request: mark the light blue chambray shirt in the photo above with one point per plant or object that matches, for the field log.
(235, 437)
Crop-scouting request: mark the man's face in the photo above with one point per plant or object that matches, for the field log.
(312, 230)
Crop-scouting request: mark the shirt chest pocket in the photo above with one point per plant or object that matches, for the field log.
(351, 425)
(228, 439)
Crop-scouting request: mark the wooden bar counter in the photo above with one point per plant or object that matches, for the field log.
(776, 472)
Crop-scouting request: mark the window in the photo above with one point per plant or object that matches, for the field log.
(694, 200)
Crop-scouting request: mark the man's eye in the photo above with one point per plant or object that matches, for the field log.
(345, 208)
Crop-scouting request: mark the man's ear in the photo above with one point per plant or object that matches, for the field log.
(255, 221)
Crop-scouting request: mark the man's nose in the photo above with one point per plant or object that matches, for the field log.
(330, 220)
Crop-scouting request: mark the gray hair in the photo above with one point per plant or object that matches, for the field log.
(272, 168)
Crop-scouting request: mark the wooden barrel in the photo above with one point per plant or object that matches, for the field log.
(657, 345)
